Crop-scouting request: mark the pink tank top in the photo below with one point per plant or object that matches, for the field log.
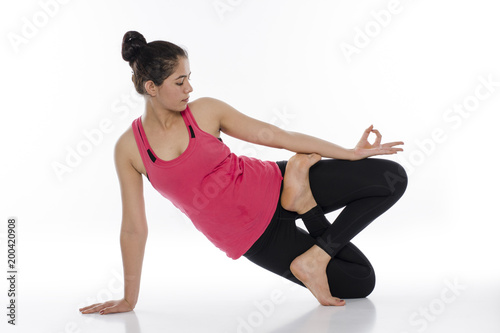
(230, 199)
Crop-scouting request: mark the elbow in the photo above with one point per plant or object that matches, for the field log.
(135, 231)
(129, 237)
(134, 225)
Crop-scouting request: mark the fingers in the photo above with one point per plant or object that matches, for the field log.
(91, 308)
(391, 144)
(378, 140)
(102, 308)
(388, 148)
(390, 151)
(109, 309)
(366, 133)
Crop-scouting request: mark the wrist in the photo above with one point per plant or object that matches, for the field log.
(352, 155)
(132, 303)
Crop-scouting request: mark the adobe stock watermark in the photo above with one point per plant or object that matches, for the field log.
(222, 7)
(216, 183)
(94, 137)
(425, 315)
(31, 26)
(363, 37)
(264, 309)
(281, 118)
(453, 118)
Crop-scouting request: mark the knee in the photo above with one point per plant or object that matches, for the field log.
(359, 288)
(396, 178)
(367, 286)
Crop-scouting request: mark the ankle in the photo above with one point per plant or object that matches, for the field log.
(319, 254)
(306, 206)
(304, 209)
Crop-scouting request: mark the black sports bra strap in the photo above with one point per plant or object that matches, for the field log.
(151, 156)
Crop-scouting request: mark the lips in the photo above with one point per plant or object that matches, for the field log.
(186, 100)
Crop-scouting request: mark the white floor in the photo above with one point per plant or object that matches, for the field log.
(429, 279)
(432, 283)
(451, 304)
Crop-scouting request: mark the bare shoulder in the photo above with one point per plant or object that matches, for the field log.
(124, 143)
(126, 151)
(209, 105)
(205, 102)
(208, 113)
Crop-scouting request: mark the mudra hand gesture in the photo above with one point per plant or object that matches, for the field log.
(365, 149)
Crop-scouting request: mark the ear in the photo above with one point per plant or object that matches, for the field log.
(150, 88)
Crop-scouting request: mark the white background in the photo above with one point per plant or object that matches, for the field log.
(280, 62)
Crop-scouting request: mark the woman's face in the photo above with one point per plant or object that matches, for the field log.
(173, 94)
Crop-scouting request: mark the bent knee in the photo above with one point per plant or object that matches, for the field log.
(357, 288)
(357, 281)
(395, 177)
(367, 286)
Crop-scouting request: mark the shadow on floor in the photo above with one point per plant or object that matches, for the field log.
(358, 315)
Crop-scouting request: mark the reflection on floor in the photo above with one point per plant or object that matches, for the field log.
(449, 305)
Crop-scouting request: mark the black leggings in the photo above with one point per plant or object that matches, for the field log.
(366, 188)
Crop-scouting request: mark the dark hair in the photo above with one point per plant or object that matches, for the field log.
(153, 61)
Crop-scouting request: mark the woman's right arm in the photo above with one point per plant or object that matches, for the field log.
(133, 234)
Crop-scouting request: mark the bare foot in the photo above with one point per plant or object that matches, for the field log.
(297, 195)
(310, 269)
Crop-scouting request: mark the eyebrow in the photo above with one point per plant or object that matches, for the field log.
(183, 76)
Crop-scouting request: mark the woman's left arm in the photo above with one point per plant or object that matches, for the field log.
(240, 126)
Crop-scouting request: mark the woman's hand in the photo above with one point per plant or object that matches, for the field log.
(365, 149)
(108, 307)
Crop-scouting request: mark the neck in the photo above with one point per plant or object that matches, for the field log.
(157, 117)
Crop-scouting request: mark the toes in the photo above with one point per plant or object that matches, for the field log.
(332, 301)
(315, 158)
(339, 302)
(326, 301)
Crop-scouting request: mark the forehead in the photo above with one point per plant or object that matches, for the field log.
(182, 68)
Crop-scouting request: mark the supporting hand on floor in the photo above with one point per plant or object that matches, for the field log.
(108, 307)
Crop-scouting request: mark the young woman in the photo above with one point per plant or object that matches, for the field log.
(245, 206)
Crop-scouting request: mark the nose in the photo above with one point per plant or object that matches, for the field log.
(189, 87)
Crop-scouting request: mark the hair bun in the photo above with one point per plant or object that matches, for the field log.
(132, 44)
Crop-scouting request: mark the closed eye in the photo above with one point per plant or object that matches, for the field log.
(182, 82)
